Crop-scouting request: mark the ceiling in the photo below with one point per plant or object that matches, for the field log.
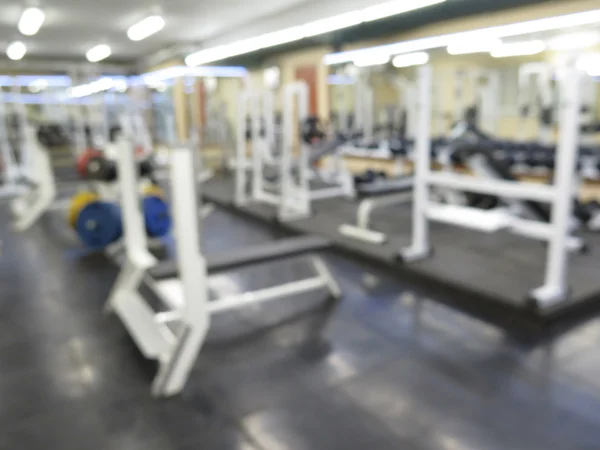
(74, 26)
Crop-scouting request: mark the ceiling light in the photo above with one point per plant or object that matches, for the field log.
(590, 63)
(120, 86)
(38, 85)
(145, 28)
(272, 77)
(526, 48)
(309, 29)
(479, 46)
(411, 59)
(95, 87)
(16, 50)
(31, 21)
(502, 31)
(332, 23)
(372, 60)
(395, 7)
(573, 41)
(98, 53)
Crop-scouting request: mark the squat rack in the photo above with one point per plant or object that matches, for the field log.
(559, 195)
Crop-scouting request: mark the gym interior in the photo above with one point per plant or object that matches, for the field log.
(300, 225)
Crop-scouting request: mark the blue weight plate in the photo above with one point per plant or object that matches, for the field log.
(99, 224)
(156, 216)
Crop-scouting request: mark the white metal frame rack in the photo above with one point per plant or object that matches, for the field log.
(291, 194)
(559, 195)
(175, 337)
(29, 183)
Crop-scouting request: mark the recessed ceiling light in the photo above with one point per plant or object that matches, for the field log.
(411, 59)
(16, 50)
(98, 53)
(145, 28)
(31, 21)
(526, 48)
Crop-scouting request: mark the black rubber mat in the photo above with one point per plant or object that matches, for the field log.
(489, 275)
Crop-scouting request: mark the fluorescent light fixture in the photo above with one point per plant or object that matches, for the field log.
(590, 63)
(309, 29)
(272, 77)
(145, 28)
(38, 85)
(16, 50)
(395, 7)
(502, 31)
(120, 85)
(332, 23)
(372, 60)
(245, 46)
(31, 21)
(171, 73)
(574, 41)
(98, 53)
(28, 80)
(525, 48)
(50, 80)
(95, 87)
(479, 46)
(411, 59)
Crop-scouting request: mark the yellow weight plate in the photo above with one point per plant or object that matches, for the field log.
(154, 191)
(78, 202)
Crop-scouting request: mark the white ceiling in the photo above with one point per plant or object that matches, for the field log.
(74, 26)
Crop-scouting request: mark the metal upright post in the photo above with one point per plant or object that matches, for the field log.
(26, 163)
(268, 111)
(420, 226)
(295, 195)
(174, 371)
(303, 158)
(134, 232)
(368, 112)
(8, 158)
(241, 181)
(258, 143)
(555, 286)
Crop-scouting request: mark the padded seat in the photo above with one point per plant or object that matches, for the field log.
(256, 254)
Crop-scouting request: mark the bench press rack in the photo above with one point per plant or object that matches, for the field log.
(29, 183)
(175, 337)
(556, 233)
(292, 194)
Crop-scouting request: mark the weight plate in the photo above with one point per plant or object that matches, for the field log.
(99, 224)
(78, 202)
(156, 216)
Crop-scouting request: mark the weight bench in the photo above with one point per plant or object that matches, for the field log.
(256, 254)
(175, 337)
(382, 195)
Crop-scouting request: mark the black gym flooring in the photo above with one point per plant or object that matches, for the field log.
(489, 276)
(398, 371)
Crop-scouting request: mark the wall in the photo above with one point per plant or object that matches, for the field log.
(445, 66)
